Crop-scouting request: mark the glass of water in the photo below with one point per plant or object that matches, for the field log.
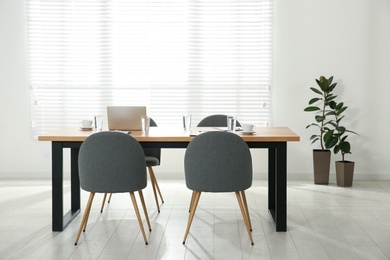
(231, 123)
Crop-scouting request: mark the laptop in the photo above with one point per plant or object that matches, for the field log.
(125, 118)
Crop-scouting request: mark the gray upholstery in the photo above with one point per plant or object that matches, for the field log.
(152, 158)
(218, 161)
(152, 155)
(215, 121)
(111, 162)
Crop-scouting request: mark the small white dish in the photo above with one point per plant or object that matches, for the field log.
(248, 133)
(86, 128)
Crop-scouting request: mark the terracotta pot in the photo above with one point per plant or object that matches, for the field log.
(321, 162)
(344, 173)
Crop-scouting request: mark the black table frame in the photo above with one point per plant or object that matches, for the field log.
(277, 180)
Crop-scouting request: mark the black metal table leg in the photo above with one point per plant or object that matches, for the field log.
(59, 220)
(75, 181)
(271, 180)
(281, 187)
(57, 185)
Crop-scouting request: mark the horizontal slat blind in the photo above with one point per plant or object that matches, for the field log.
(175, 57)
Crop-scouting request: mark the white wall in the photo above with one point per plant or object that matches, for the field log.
(348, 39)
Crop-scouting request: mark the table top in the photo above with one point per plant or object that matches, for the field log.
(159, 134)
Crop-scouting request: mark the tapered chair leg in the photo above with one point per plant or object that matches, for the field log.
(153, 181)
(155, 187)
(104, 200)
(244, 216)
(84, 220)
(192, 199)
(151, 172)
(138, 216)
(194, 204)
(246, 208)
(87, 211)
(141, 196)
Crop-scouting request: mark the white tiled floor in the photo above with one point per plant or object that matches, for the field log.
(324, 222)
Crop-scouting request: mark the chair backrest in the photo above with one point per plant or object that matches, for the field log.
(215, 121)
(154, 152)
(111, 162)
(218, 161)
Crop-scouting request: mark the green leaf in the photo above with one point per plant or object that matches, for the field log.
(313, 100)
(331, 88)
(339, 105)
(341, 129)
(315, 140)
(332, 104)
(349, 131)
(345, 147)
(316, 91)
(319, 118)
(330, 142)
(328, 134)
(311, 108)
(313, 124)
(330, 98)
(336, 149)
(330, 80)
(313, 137)
(341, 111)
(330, 113)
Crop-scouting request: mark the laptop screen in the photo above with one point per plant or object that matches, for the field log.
(125, 118)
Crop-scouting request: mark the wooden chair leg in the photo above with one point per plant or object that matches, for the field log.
(246, 208)
(84, 220)
(153, 181)
(141, 196)
(192, 199)
(194, 204)
(104, 200)
(151, 172)
(244, 216)
(138, 216)
(87, 211)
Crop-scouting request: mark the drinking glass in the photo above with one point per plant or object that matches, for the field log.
(231, 123)
(98, 122)
(145, 124)
(187, 122)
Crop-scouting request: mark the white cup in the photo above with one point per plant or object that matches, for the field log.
(247, 127)
(145, 124)
(86, 124)
(231, 123)
(187, 122)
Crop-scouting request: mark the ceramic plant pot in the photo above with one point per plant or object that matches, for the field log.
(321, 162)
(344, 173)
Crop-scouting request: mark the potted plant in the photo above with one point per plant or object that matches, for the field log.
(338, 136)
(320, 106)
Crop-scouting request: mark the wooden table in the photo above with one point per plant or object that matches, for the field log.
(272, 138)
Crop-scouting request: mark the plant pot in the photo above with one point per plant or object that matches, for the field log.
(344, 173)
(321, 163)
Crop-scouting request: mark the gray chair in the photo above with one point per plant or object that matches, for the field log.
(112, 162)
(153, 158)
(218, 162)
(215, 121)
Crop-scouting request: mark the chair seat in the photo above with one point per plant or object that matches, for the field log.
(152, 161)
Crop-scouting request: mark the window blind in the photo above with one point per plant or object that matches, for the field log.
(175, 57)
